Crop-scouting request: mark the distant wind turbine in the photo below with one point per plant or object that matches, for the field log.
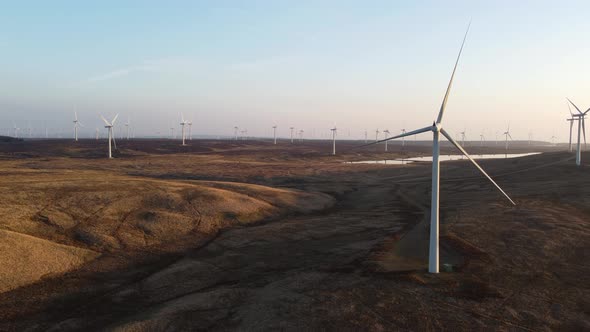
(76, 124)
(571, 121)
(333, 140)
(291, 133)
(507, 135)
(581, 129)
(236, 132)
(109, 126)
(183, 123)
(436, 128)
(127, 127)
(386, 133)
(274, 131)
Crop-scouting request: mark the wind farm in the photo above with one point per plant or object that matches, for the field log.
(314, 184)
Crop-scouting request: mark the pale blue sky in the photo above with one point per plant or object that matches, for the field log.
(308, 64)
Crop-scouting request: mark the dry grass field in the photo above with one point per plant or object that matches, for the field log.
(225, 235)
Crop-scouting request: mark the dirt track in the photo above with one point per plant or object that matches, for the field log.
(339, 269)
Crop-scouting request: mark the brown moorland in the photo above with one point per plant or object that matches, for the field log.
(246, 235)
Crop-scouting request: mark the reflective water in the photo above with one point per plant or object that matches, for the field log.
(444, 158)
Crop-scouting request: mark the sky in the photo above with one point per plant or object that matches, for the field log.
(312, 65)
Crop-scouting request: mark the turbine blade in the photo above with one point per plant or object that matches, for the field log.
(105, 121)
(444, 103)
(510, 137)
(570, 108)
(409, 133)
(114, 119)
(475, 164)
(575, 106)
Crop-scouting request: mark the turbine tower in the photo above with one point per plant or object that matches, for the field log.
(376, 135)
(481, 139)
(190, 129)
(236, 132)
(386, 133)
(333, 140)
(109, 126)
(437, 128)
(291, 133)
(581, 129)
(365, 135)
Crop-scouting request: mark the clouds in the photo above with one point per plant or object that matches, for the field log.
(170, 64)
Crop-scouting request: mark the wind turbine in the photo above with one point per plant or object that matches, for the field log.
(301, 134)
(16, 129)
(127, 127)
(291, 133)
(571, 121)
(581, 129)
(386, 133)
(190, 129)
(76, 123)
(507, 135)
(97, 133)
(182, 124)
(553, 139)
(437, 129)
(376, 135)
(365, 135)
(172, 136)
(481, 139)
(403, 138)
(333, 140)
(463, 137)
(109, 126)
(236, 132)
(274, 130)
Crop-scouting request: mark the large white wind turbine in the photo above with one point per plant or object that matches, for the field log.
(437, 129)
(334, 140)
(109, 126)
(581, 129)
